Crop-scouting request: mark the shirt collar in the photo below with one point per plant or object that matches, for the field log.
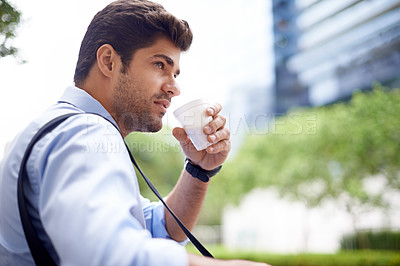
(84, 101)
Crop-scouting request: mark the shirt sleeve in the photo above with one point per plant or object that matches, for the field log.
(89, 202)
(154, 214)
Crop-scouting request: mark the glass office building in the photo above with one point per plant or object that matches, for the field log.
(327, 49)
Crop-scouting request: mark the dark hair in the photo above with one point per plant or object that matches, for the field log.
(128, 25)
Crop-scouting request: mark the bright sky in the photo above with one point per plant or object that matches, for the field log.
(231, 48)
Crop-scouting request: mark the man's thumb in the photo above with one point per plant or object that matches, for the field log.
(180, 134)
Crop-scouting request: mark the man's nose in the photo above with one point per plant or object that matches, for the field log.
(172, 88)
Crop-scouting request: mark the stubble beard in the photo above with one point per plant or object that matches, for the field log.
(132, 109)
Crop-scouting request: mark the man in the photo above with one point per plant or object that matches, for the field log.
(85, 204)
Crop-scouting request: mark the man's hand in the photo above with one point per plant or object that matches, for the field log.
(216, 132)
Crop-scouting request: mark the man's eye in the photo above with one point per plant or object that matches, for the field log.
(160, 65)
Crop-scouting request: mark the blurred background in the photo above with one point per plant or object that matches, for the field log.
(309, 91)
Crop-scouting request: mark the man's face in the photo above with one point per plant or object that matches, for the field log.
(144, 90)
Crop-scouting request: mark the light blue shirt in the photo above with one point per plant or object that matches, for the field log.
(83, 187)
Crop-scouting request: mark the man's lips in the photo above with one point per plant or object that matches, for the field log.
(163, 104)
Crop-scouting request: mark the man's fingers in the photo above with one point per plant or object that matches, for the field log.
(214, 109)
(223, 146)
(217, 123)
(219, 135)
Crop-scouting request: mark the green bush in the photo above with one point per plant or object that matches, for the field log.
(344, 258)
(383, 240)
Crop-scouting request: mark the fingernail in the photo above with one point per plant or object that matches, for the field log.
(207, 129)
(212, 138)
(211, 111)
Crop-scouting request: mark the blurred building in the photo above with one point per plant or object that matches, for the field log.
(327, 49)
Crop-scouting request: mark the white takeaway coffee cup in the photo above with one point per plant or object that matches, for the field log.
(193, 117)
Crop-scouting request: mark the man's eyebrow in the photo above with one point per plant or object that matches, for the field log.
(168, 60)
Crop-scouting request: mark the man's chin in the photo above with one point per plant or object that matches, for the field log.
(149, 124)
(154, 130)
(152, 127)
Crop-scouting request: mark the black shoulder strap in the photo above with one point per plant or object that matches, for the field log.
(39, 253)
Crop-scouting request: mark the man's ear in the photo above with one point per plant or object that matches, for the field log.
(107, 59)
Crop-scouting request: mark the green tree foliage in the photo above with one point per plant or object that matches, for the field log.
(9, 19)
(321, 153)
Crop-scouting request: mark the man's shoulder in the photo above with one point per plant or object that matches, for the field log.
(85, 129)
(78, 129)
(77, 139)
(77, 120)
